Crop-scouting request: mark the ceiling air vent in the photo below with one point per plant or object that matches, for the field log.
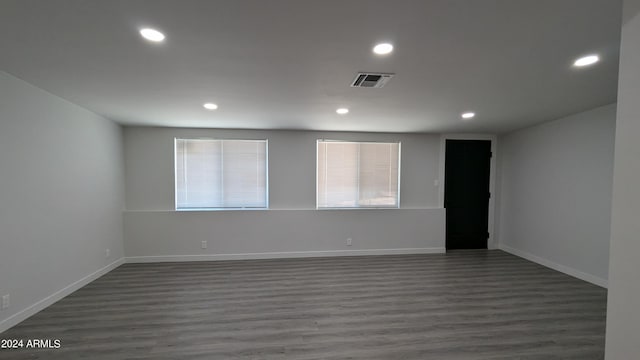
(371, 80)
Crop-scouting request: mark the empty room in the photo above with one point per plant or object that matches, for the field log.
(287, 179)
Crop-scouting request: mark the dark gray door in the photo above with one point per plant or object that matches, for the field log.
(466, 195)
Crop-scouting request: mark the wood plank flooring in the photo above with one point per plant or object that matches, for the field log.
(463, 305)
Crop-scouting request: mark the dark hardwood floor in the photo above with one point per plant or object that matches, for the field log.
(462, 305)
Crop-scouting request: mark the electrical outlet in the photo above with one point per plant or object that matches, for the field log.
(5, 302)
(348, 241)
(204, 244)
(436, 182)
(107, 253)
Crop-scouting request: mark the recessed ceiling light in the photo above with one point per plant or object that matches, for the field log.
(468, 115)
(152, 35)
(342, 111)
(383, 49)
(586, 60)
(210, 106)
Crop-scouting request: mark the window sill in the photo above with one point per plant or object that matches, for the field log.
(358, 208)
(220, 209)
(204, 210)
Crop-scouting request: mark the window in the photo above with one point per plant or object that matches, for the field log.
(220, 174)
(358, 174)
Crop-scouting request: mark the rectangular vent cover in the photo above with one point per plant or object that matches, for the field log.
(371, 80)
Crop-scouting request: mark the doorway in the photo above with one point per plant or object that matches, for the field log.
(466, 193)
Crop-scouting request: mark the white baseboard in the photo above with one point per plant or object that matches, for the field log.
(280, 255)
(49, 300)
(555, 266)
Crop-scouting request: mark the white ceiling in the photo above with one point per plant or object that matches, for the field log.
(287, 64)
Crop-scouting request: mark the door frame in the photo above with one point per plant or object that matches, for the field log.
(492, 241)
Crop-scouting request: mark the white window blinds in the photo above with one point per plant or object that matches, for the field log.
(221, 173)
(357, 174)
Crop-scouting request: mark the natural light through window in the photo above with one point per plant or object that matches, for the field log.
(358, 174)
(220, 174)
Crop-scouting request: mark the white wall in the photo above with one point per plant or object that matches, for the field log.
(61, 196)
(623, 316)
(555, 197)
(292, 226)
